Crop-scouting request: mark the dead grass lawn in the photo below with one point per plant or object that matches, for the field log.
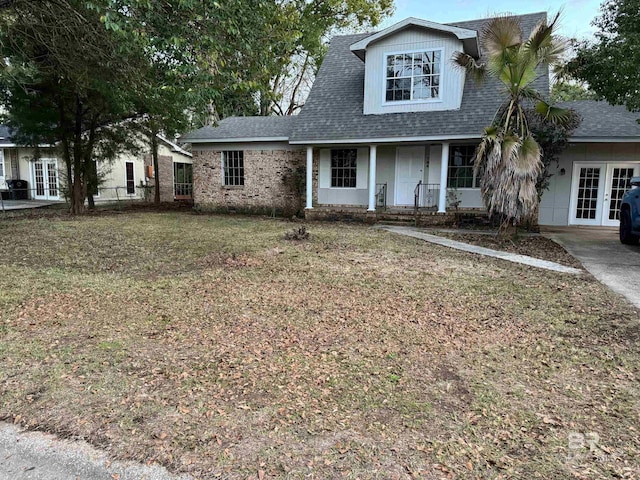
(213, 346)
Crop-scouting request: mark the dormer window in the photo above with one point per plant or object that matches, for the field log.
(413, 76)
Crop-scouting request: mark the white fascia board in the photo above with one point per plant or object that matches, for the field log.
(14, 145)
(468, 37)
(367, 141)
(604, 139)
(175, 146)
(235, 140)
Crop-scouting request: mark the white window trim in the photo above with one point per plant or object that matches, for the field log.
(45, 161)
(476, 179)
(134, 178)
(331, 169)
(222, 170)
(3, 165)
(97, 195)
(390, 103)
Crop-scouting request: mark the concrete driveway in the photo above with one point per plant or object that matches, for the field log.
(614, 264)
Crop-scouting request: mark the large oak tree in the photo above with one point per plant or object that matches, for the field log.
(610, 63)
(85, 75)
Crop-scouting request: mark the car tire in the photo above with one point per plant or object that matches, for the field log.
(626, 235)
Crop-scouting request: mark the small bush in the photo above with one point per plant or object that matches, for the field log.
(297, 234)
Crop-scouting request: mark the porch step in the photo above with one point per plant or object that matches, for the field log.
(399, 221)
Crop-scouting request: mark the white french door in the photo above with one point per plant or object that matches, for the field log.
(409, 171)
(597, 190)
(618, 182)
(45, 179)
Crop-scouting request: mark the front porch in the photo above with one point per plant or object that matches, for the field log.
(423, 217)
(382, 181)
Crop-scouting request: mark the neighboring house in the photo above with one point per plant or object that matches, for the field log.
(391, 124)
(127, 177)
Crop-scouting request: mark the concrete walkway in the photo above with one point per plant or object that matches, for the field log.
(600, 251)
(510, 257)
(27, 204)
(39, 456)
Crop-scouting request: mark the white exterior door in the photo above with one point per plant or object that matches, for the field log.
(409, 171)
(618, 178)
(597, 190)
(44, 177)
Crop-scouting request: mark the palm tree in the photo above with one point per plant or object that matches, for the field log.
(508, 159)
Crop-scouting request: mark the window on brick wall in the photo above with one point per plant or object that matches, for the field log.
(233, 168)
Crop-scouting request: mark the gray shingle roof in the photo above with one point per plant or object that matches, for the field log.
(602, 120)
(243, 128)
(333, 111)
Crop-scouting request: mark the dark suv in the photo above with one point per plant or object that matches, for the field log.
(630, 214)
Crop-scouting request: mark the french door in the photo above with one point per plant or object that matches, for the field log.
(597, 191)
(45, 179)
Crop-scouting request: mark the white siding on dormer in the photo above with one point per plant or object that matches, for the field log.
(411, 40)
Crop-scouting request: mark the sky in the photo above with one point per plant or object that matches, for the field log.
(575, 20)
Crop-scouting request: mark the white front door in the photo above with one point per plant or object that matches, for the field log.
(596, 192)
(409, 171)
(45, 179)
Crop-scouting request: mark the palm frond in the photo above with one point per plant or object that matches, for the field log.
(543, 45)
(500, 34)
(554, 52)
(527, 160)
(510, 147)
(557, 115)
(529, 93)
(477, 71)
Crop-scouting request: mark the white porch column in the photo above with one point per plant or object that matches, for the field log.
(373, 151)
(309, 178)
(444, 171)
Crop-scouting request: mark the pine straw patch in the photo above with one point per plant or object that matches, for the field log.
(533, 246)
(214, 347)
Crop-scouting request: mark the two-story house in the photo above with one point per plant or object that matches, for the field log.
(390, 125)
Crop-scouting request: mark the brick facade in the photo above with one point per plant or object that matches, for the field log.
(273, 182)
(165, 173)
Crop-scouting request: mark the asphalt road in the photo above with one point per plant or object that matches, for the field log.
(40, 456)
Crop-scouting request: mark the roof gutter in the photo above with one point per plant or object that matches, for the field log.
(605, 139)
(234, 140)
(428, 138)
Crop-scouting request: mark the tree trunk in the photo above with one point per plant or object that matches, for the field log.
(532, 224)
(156, 173)
(77, 196)
(92, 183)
(78, 192)
(507, 230)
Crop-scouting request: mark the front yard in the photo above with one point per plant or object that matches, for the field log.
(213, 346)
